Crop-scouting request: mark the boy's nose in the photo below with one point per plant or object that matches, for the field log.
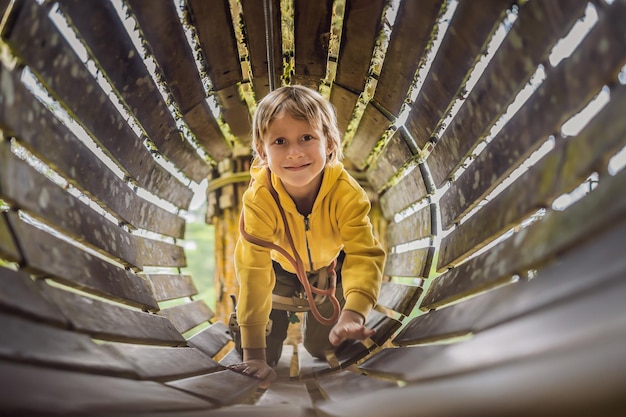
(294, 151)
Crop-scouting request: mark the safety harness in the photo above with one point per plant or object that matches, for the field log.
(314, 295)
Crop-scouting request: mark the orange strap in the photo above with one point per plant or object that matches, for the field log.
(298, 265)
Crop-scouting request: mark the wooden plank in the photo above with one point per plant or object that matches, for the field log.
(39, 44)
(344, 101)
(538, 27)
(37, 390)
(8, 248)
(577, 272)
(233, 357)
(106, 39)
(48, 255)
(516, 388)
(216, 36)
(235, 112)
(308, 365)
(411, 35)
(164, 363)
(311, 38)
(187, 316)
(395, 155)
(419, 225)
(469, 32)
(399, 297)
(372, 126)
(111, 322)
(223, 387)
(170, 286)
(26, 341)
(361, 25)
(412, 263)
(26, 189)
(255, 29)
(41, 133)
(160, 253)
(20, 295)
(283, 390)
(579, 78)
(597, 313)
(346, 385)
(558, 172)
(176, 63)
(534, 245)
(212, 339)
(407, 191)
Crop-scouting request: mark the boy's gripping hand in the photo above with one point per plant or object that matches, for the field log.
(349, 326)
(255, 365)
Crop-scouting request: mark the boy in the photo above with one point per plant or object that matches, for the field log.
(297, 155)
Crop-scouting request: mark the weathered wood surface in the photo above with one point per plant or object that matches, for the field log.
(39, 390)
(221, 387)
(111, 322)
(170, 286)
(26, 189)
(395, 155)
(212, 339)
(47, 255)
(534, 245)
(372, 126)
(159, 253)
(163, 363)
(8, 248)
(188, 315)
(399, 297)
(177, 66)
(573, 274)
(567, 88)
(21, 296)
(311, 35)
(346, 385)
(412, 263)
(29, 342)
(558, 172)
(417, 226)
(38, 130)
(537, 28)
(105, 37)
(410, 189)
(469, 33)
(255, 29)
(36, 40)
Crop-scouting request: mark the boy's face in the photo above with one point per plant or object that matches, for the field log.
(296, 152)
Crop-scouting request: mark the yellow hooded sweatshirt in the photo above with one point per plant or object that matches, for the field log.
(339, 221)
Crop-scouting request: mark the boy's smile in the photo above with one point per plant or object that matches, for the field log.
(296, 152)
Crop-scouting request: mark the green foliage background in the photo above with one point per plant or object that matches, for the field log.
(199, 248)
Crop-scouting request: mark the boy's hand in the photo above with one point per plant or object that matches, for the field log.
(349, 326)
(255, 365)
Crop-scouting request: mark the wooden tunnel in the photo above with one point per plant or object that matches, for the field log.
(493, 155)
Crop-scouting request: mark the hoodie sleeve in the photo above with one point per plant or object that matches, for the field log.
(362, 269)
(253, 265)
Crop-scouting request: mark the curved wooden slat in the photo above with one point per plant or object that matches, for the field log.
(410, 189)
(169, 286)
(312, 36)
(538, 27)
(105, 37)
(175, 60)
(568, 87)
(48, 255)
(111, 322)
(558, 172)
(468, 33)
(39, 44)
(187, 316)
(39, 131)
(395, 155)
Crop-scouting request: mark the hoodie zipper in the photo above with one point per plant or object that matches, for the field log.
(307, 227)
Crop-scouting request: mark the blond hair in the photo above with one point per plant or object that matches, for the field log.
(301, 103)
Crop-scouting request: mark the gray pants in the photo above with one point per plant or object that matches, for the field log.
(314, 334)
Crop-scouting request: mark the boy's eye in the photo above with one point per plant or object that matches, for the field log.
(279, 141)
(307, 137)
